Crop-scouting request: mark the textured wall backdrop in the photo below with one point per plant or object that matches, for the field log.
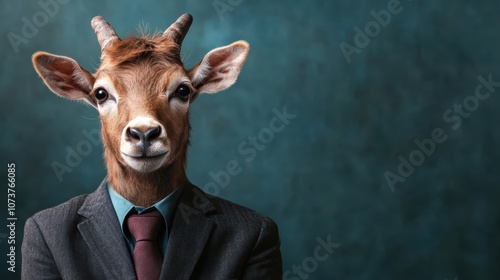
(388, 153)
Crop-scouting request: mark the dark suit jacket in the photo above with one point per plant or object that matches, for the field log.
(210, 238)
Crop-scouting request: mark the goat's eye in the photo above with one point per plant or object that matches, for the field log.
(101, 95)
(183, 92)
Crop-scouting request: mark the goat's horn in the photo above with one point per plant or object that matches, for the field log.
(104, 32)
(177, 31)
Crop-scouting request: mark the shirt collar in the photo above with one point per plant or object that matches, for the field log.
(166, 206)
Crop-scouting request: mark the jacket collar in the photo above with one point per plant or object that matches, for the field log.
(101, 231)
(190, 232)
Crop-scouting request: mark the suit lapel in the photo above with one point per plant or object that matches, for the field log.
(189, 233)
(102, 233)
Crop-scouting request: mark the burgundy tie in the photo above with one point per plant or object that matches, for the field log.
(146, 255)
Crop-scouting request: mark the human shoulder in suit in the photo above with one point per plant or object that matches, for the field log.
(209, 238)
(146, 220)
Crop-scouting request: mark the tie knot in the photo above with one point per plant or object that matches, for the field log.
(145, 226)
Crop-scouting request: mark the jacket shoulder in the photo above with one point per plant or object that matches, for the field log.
(232, 215)
(236, 211)
(60, 214)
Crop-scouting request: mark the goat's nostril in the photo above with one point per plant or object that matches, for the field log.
(135, 134)
(152, 133)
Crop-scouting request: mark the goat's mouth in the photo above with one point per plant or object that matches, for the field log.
(146, 157)
(145, 163)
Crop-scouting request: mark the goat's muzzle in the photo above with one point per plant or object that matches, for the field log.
(144, 145)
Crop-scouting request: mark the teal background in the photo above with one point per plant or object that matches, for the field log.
(323, 175)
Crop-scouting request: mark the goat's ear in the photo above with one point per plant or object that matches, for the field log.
(64, 76)
(220, 68)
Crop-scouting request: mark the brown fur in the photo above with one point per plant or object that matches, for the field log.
(140, 69)
(133, 49)
(142, 74)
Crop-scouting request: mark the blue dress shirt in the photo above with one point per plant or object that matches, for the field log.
(166, 207)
